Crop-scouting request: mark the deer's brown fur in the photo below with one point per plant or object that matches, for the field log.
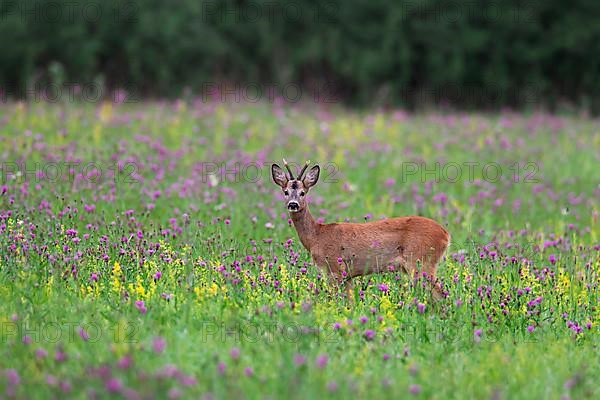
(348, 250)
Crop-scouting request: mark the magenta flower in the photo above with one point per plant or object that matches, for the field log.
(369, 334)
(421, 308)
(125, 362)
(235, 353)
(332, 386)
(530, 328)
(41, 353)
(12, 376)
(414, 389)
(221, 367)
(83, 334)
(141, 306)
(299, 360)
(322, 361)
(249, 371)
(113, 385)
(159, 344)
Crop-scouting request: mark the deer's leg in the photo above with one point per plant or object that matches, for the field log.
(430, 267)
(419, 261)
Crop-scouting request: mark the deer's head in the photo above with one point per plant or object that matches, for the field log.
(295, 189)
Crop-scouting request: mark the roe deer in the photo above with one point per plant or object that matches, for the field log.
(347, 250)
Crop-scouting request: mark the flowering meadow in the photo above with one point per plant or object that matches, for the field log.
(145, 253)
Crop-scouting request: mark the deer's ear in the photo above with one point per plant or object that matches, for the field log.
(311, 177)
(279, 176)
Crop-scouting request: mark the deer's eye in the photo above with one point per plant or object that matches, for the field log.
(301, 194)
(286, 192)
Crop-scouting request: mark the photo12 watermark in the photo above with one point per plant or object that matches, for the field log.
(66, 332)
(69, 172)
(72, 92)
(469, 171)
(255, 92)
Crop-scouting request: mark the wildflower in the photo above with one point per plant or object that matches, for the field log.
(60, 356)
(421, 308)
(174, 394)
(337, 326)
(369, 334)
(235, 353)
(141, 306)
(13, 377)
(83, 334)
(158, 345)
(187, 380)
(386, 357)
(27, 340)
(384, 288)
(221, 367)
(322, 361)
(41, 353)
(65, 386)
(363, 320)
(249, 371)
(113, 385)
(51, 380)
(299, 360)
(414, 389)
(332, 386)
(125, 362)
(530, 328)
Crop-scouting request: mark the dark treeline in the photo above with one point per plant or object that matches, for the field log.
(463, 53)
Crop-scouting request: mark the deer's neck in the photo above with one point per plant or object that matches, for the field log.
(306, 226)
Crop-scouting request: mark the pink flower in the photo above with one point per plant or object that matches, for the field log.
(235, 353)
(322, 361)
(221, 367)
(141, 306)
(299, 360)
(158, 345)
(84, 335)
(125, 362)
(414, 389)
(113, 385)
(41, 353)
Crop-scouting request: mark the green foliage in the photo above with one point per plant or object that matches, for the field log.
(482, 54)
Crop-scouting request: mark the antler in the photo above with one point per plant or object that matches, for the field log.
(288, 168)
(303, 169)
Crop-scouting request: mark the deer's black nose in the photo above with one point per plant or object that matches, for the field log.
(293, 206)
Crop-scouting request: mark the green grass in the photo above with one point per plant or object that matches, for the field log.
(520, 320)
